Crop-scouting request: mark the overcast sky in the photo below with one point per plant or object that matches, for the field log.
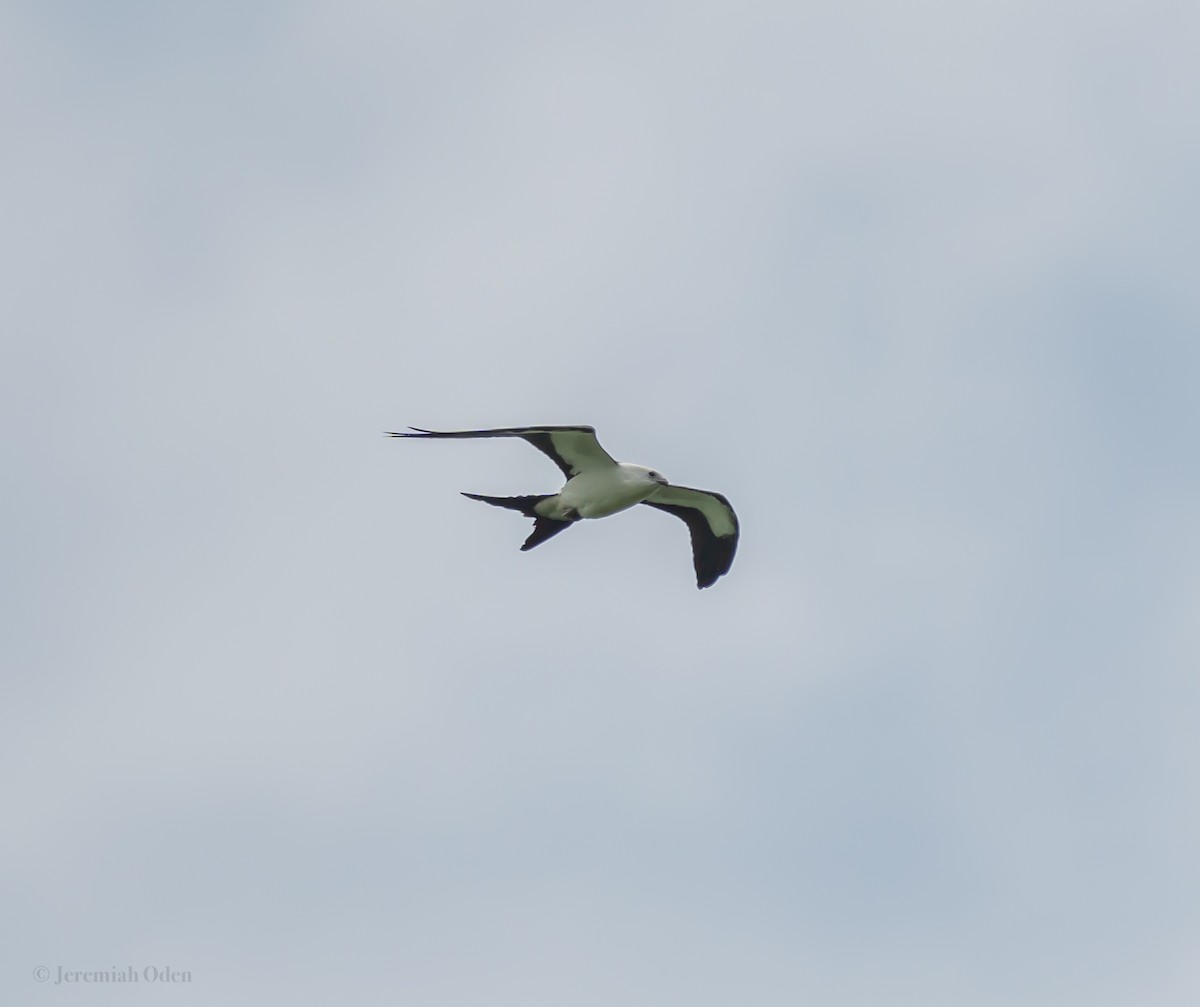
(914, 285)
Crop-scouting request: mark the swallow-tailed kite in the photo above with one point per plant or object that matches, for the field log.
(597, 485)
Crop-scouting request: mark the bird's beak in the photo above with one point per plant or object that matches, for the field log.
(662, 481)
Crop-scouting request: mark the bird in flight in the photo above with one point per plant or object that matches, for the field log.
(598, 485)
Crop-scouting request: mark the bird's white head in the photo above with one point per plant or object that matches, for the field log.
(647, 475)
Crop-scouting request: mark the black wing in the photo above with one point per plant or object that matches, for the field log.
(572, 449)
(712, 522)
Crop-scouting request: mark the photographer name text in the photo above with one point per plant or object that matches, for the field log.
(61, 976)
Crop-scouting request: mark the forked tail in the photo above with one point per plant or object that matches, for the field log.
(543, 527)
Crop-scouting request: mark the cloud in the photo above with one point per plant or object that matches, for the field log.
(910, 287)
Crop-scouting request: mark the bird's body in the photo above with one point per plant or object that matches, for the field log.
(600, 492)
(598, 486)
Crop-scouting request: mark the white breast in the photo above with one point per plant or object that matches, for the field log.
(601, 492)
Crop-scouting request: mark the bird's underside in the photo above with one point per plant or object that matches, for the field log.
(597, 485)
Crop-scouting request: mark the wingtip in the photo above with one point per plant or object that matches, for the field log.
(416, 432)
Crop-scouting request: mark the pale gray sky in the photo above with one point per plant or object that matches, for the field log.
(913, 285)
